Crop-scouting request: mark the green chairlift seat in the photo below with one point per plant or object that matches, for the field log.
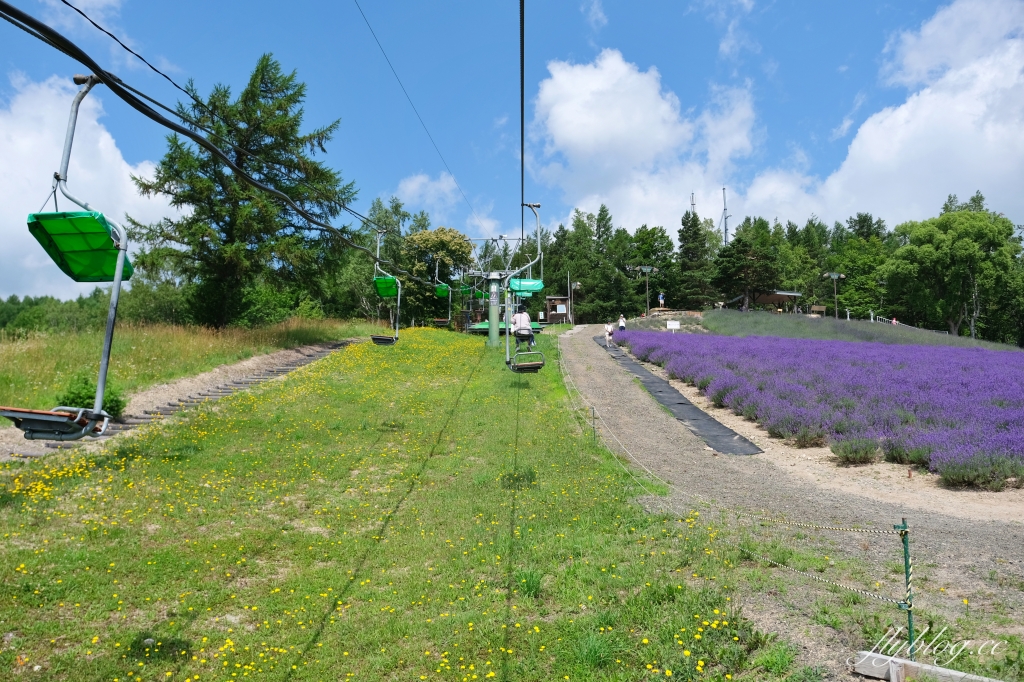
(387, 287)
(521, 286)
(441, 290)
(80, 243)
(87, 248)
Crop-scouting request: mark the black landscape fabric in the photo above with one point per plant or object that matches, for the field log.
(718, 436)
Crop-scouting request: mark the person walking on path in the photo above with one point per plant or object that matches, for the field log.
(521, 322)
(622, 323)
(609, 329)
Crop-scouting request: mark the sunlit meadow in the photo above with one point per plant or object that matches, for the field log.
(413, 512)
(36, 369)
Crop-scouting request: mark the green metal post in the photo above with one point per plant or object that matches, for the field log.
(493, 287)
(908, 602)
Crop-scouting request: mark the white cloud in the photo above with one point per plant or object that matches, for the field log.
(840, 130)
(594, 13)
(422, 192)
(106, 13)
(481, 223)
(613, 135)
(62, 16)
(736, 39)
(956, 37)
(32, 127)
(961, 131)
(843, 128)
(598, 119)
(729, 13)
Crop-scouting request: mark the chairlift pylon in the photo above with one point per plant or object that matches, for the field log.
(88, 247)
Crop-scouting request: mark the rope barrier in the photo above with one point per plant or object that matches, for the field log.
(811, 525)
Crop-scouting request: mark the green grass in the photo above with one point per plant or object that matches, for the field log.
(34, 371)
(403, 513)
(735, 323)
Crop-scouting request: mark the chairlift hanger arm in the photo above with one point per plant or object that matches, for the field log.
(39, 30)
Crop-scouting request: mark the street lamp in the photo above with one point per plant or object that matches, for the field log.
(836, 276)
(647, 270)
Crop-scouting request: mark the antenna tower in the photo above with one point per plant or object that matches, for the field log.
(693, 204)
(725, 219)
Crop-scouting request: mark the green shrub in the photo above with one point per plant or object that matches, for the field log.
(309, 310)
(994, 473)
(856, 451)
(81, 392)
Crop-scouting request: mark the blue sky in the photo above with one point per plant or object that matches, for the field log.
(796, 107)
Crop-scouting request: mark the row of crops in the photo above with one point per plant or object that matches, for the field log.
(957, 411)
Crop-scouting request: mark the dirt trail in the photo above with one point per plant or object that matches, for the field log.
(979, 559)
(12, 441)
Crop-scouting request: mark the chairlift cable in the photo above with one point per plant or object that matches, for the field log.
(53, 38)
(198, 103)
(522, 119)
(416, 111)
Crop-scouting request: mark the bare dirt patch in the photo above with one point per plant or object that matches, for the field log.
(13, 441)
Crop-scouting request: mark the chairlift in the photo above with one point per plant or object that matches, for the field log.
(387, 286)
(441, 290)
(525, 360)
(88, 247)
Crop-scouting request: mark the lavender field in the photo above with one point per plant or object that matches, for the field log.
(958, 411)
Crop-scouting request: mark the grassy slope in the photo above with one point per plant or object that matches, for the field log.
(365, 518)
(34, 371)
(734, 323)
(374, 507)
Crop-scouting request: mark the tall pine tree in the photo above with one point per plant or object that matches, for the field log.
(247, 256)
(695, 257)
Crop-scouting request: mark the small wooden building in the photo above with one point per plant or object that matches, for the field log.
(556, 310)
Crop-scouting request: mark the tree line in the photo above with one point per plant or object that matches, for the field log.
(960, 272)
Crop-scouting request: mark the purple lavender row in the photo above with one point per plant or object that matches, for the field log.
(958, 411)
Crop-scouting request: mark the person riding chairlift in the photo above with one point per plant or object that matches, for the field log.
(521, 322)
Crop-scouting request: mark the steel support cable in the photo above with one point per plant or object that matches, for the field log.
(667, 506)
(416, 111)
(51, 37)
(522, 120)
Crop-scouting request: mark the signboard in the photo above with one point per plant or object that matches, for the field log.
(494, 293)
(673, 325)
(560, 308)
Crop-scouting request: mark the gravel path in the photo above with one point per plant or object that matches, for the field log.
(168, 397)
(982, 561)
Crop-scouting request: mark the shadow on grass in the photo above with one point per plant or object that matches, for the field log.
(378, 533)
